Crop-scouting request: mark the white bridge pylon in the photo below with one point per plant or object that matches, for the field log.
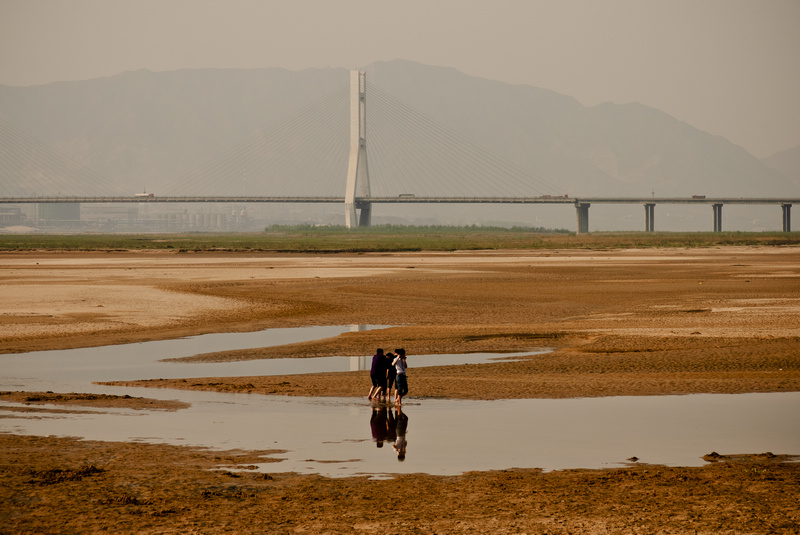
(357, 170)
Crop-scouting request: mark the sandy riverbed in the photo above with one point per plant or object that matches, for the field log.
(641, 322)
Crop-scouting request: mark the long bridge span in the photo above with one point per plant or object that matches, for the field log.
(424, 163)
(581, 204)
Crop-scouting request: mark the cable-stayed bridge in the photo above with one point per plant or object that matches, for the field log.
(335, 150)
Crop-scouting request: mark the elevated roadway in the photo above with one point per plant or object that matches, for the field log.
(581, 204)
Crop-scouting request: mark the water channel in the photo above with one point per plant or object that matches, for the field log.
(341, 437)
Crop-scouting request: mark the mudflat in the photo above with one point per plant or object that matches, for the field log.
(620, 322)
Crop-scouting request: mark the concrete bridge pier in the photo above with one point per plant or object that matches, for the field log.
(649, 217)
(717, 217)
(357, 184)
(364, 214)
(787, 217)
(582, 211)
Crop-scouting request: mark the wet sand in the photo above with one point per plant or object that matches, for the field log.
(639, 322)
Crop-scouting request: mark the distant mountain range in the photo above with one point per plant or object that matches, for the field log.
(141, 129)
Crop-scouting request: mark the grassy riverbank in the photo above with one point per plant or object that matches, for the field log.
(388, 238)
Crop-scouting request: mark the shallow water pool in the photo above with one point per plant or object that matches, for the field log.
(348, 436)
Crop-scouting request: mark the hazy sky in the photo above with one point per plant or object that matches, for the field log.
(729, 67)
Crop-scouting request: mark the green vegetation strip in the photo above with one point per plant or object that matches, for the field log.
(387, 238)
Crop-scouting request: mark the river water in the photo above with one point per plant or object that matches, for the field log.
(341, 437)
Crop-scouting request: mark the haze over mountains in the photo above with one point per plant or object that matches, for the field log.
(787, 163)
(142, 130)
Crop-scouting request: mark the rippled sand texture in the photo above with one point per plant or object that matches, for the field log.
(623, 322)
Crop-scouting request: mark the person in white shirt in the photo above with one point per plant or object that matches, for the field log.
(401, 382)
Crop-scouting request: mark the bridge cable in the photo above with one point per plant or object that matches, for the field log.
(442, 154)
(29, 168)
(299, 150)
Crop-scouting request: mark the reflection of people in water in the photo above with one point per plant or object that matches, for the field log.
(378, 424)
(389, 426)
(400, 431)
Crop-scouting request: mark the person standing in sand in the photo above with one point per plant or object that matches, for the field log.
(401, 382)
(391, 374)
(377, 374)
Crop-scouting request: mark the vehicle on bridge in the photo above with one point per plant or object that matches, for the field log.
(148, 195)
(698, 196)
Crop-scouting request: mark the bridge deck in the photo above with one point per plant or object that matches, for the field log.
(407, 200)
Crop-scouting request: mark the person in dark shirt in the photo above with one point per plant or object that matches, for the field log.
(377, 374)
(391, 373)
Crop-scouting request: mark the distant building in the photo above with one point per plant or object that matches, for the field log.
(10, 216)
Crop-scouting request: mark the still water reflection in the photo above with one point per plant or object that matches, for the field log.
(349, 436)
(389, 425)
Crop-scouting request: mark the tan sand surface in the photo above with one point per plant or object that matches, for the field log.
(620, 322)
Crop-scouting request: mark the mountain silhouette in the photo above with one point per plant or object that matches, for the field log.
(143, 130)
